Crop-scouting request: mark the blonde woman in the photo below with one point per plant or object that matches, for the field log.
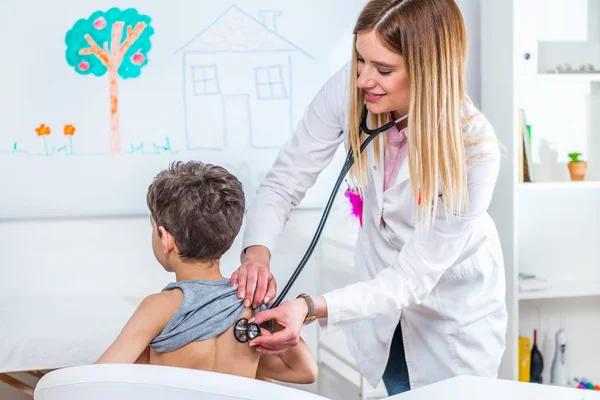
(430, 301)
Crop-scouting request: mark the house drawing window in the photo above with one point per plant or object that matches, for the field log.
(269, 83)
(206, 80)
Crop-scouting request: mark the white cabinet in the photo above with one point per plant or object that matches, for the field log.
(549, 227)
(560, 20)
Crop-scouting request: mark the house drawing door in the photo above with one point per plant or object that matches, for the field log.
(237, 121)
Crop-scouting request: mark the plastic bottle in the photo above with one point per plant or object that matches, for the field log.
(559, 374)
(537, 362)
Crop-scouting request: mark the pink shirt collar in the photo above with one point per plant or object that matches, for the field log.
(393, 134)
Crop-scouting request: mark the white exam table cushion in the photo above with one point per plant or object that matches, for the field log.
(478, 388)
(149, 382)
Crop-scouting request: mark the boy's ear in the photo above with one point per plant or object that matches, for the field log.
(168, 241)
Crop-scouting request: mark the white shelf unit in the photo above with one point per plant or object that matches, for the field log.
(566, 289)
(537, 186)
(549, 227)
(569, 77)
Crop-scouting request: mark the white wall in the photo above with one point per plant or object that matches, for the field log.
(102, 255)
(112, 256)
(471, 14)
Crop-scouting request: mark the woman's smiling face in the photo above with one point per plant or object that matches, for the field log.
(382, 76)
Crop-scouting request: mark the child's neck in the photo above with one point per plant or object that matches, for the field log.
(197, 270)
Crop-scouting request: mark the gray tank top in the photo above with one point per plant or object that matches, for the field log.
(208, 309)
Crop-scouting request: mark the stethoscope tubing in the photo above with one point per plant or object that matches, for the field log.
(371, 134)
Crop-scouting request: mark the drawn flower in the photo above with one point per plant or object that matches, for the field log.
(43, 130)
(69, 130)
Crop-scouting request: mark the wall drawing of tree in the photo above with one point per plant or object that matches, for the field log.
(116, 42)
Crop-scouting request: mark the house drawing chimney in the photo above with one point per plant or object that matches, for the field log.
(269, 18)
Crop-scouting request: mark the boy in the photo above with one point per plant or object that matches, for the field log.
(196, 211)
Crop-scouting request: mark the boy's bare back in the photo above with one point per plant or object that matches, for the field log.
(222, 353)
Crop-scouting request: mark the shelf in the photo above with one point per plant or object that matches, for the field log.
(576, 77)
(564, 289)
(534, 186)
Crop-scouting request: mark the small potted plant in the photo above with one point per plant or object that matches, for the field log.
(577, 167)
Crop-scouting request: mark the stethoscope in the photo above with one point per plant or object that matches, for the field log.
(245, 330)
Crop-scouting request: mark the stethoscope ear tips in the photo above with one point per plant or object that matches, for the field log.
(244, 330)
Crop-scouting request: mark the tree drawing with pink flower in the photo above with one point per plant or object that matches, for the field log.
(116, 42)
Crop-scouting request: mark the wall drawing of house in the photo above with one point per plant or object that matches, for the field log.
(237, 83)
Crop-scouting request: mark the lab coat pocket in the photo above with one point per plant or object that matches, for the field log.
(473, 299)
(478, 347)
(484, 259)
(474, 288)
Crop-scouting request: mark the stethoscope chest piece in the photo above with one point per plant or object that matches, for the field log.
(244, 330)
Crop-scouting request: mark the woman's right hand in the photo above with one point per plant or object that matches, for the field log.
(290, 315)
(256, 283)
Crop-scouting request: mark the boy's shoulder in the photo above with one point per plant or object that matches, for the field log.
(165, 297)
(161, 304)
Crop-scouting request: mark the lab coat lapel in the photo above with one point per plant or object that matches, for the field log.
(403, 172)
(376, 171)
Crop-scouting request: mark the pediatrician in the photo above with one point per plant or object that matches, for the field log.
(430, 302)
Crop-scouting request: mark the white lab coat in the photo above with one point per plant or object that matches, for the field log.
(446, 286)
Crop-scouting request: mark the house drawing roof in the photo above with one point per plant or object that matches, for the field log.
(236, 31)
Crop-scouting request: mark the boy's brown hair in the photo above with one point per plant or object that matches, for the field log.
(201, 205)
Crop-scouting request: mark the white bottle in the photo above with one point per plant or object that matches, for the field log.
(559, 375)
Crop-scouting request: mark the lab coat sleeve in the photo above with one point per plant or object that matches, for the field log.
(423, 259)
(312, 147)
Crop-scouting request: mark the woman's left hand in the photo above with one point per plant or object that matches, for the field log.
(290, 315)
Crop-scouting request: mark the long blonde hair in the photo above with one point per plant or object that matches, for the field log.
(430, 36)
